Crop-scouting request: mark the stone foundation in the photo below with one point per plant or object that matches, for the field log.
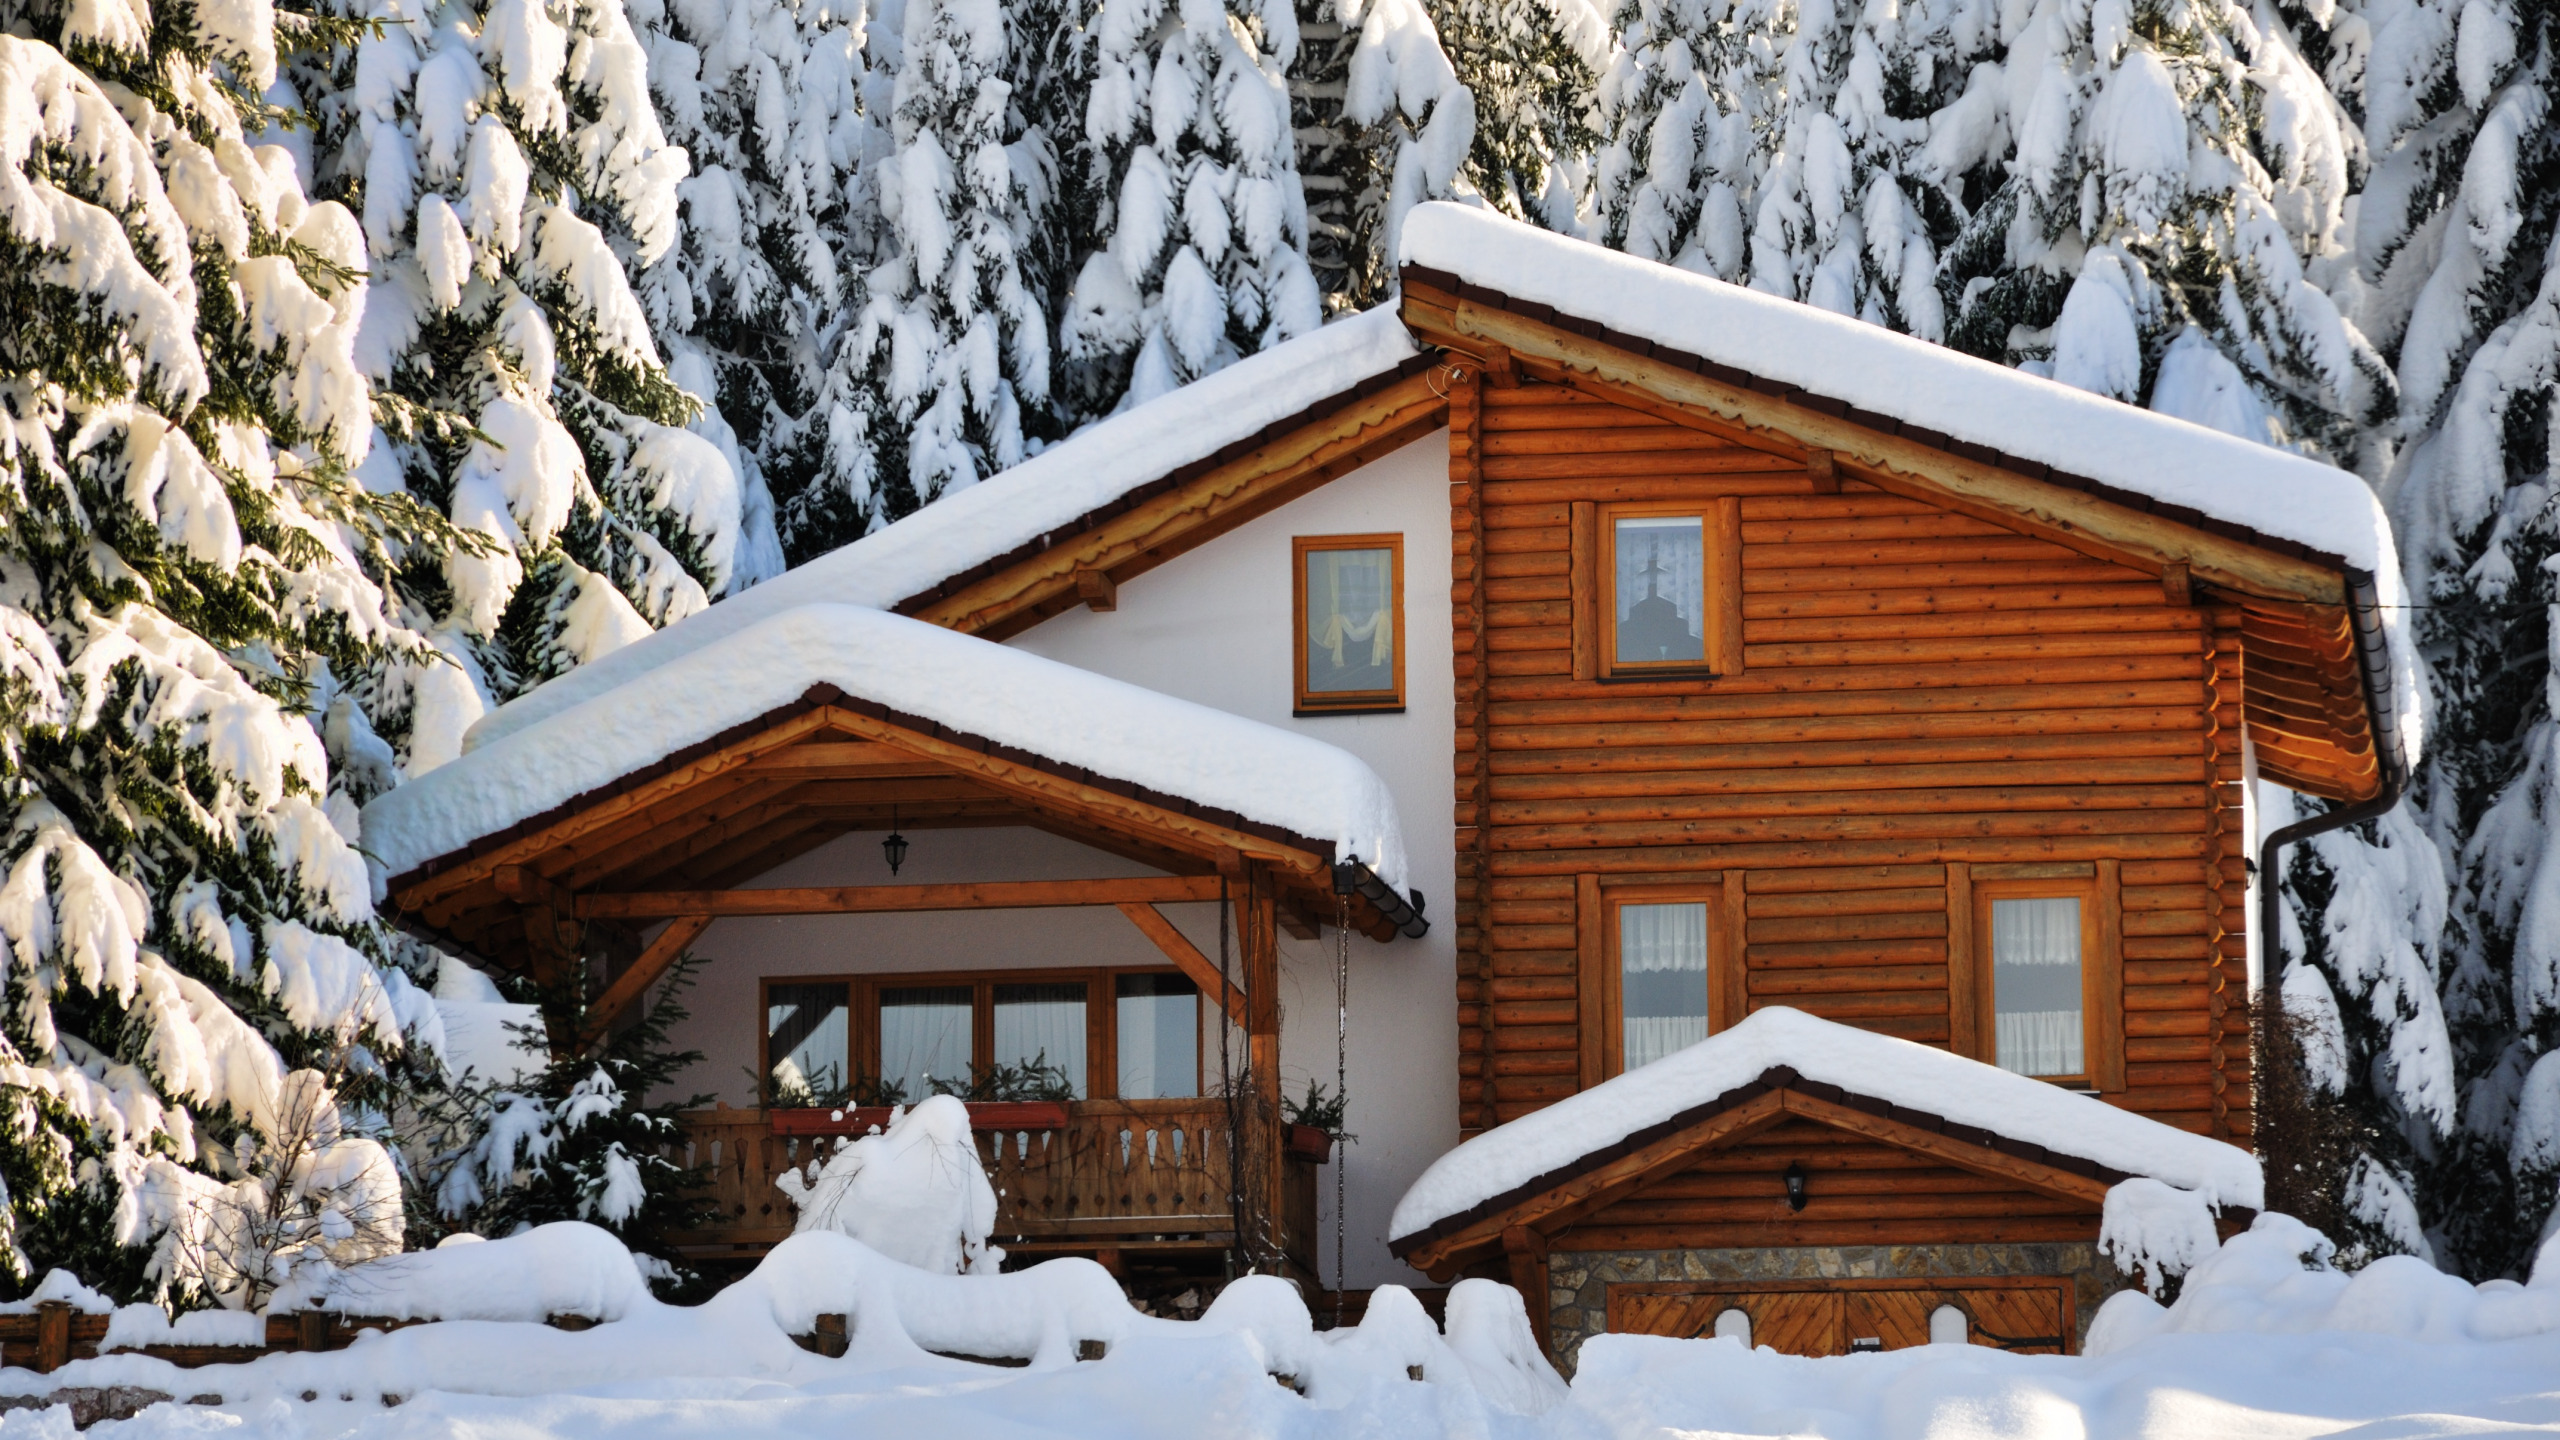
(1579, 1280)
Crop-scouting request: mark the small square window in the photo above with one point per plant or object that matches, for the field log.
(2039, 1012)
(1658, 590)
(1350, 606)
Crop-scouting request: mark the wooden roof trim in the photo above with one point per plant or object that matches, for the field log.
(1935, 1135)
(827, 710)
(1441, 307)
(1155, 522)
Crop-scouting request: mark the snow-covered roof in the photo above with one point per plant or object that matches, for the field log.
(1524, 1156)
(2171, 463)
(1008, 511)
(1070, 717)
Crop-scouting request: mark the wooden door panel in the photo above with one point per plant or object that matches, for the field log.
(2030, 1320)
(1896, 1317)
(1797, 1322)
(2031, 1315)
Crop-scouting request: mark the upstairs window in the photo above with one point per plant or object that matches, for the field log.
(1662, 979)
(2038, 1001)
(1349, 607)
(1658, 609)
(1657, 589)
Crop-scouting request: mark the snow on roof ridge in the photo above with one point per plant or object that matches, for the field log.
(1918, 1077)
(1874, 369)
(1006, 511)
(1012, 697)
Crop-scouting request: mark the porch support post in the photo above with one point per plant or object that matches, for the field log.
(1257, 925)
(1526, 1249)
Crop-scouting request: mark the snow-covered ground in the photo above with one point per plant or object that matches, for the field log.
(2265, 1341)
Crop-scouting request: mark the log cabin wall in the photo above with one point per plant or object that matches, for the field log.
(1927, 702)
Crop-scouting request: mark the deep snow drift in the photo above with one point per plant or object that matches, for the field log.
(2266, 1340)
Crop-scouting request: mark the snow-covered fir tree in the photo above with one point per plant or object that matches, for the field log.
(1532, 69)
(2123, 195)
(948, 364)
(1203, 225)
(511, 173)
(585, 1138)
(780, 223)
(2462, 287)
(200, 1018)
(1383, 123)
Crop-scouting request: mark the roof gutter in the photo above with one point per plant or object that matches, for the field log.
(1404, 912)
(2373, 663)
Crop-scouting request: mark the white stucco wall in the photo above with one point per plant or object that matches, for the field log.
(1211, 626)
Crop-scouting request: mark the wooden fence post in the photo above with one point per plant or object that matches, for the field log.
(53, 1334)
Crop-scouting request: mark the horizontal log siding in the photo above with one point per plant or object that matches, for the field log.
(1919, 687)
(1857, 1192)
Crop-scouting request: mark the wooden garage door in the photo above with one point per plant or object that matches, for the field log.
(2030, 1314)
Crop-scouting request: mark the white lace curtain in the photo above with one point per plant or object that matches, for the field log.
(1044, 1023)
(924, 1033)
(1662, 555)
(1348, 600)
(1662, 962)
(2035, 986)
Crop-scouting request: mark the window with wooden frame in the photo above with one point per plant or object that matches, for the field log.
(1349, 604)
(1657, 588)
(1658, 966)
(2035, 970)
(838, 1040)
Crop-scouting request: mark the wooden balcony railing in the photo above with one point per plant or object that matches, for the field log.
(1079, 1177)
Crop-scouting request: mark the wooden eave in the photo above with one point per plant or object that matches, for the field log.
(2306, 706)
(1554, 1202)
(1153, 523)
(597, 868)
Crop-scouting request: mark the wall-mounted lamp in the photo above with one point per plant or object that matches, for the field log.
(1795, 1184)
(894, 849)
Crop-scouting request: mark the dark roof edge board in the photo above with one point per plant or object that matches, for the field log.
(1777, 1077)
(1343, 399)
(1826, 405)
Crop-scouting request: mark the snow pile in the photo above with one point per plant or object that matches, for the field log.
(2155, 1230)
(915, 1193)
(900, 1319)
(566, 1268)
(2276, 1279)
(1964, 1092)
(1008, 511)
(134, 1326)
(1970, 400)
(1070, 716)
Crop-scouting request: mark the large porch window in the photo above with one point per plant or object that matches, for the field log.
(1072, 1034)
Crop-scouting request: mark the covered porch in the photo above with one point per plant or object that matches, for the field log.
(595, 849)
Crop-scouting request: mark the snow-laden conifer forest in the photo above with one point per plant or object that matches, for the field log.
(367, 363)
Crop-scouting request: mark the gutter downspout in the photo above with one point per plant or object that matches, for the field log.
(2373, 661)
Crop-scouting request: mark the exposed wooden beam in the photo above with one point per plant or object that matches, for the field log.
(883, 899)
(2044, 1179)
(631, 984)
(1186, 957)
(1091, 805)
(2083, 521)
(1099, 592)
(842, 759)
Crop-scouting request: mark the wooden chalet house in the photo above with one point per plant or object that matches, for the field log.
(1606, 677)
